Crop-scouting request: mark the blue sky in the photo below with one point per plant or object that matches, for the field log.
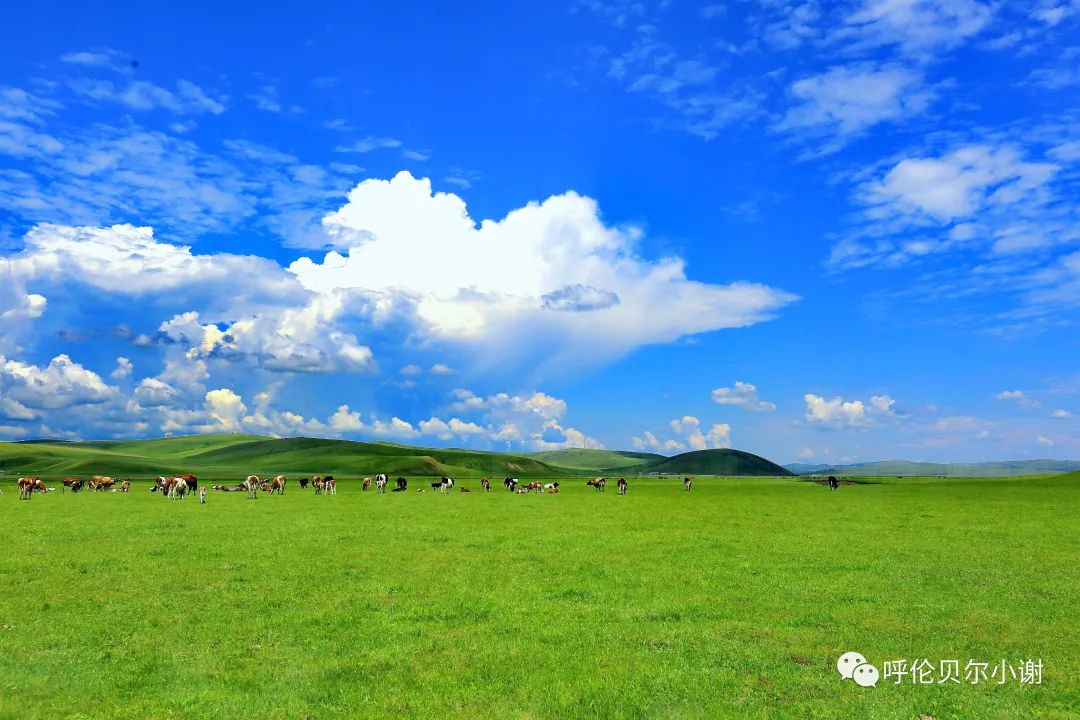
(822, 232)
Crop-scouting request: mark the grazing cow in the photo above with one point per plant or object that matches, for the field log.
(202, 495)
(443, 485)
(101, 482)
(318, 483)
(465, 489)
(69, 482)
(486, 484)
(402, 484)
(27, 486)
(251, 484)
(365, 484)
(536, 486)
(330, 485)
(510, 483)
(304, 483)
(278, 485)
(687, 482)
(622, 486)
(833, 482)
(191, 480)
(599, 483)
(380, 482)
(178, 489)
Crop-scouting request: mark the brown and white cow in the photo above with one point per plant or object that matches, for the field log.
(687, 482)
(365, 484)
(69, 483)
(622, 486)
(125, 486)
(598, 483)
(251, 484)
(535, 486)
(485, 483)
(191, 480)
(28, 485)
(101, 482)
(330, 485)
(278, 485)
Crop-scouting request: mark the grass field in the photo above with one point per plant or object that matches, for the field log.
(734, 600)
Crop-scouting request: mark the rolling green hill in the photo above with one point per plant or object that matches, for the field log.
(224, 455)
(715, 462)
(907, 468)
(584, 459)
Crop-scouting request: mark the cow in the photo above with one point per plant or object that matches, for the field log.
(622, 486)
(330, 485)
(465, 489)
(27, 486)
(552, 486)
(178, 489)
(101, 482)
(687, 482)
(380, 482)
(191, 480)
(318, 483)
(486, 484)
(251, 484)
(278, 485)
(202, 495)
(443, 485)
(365, 485)
(402, 484)
(833, 482)
(510, 483)
(304, 483)
(599, 483)
(536, 486)
(69, 482)
(125, 486)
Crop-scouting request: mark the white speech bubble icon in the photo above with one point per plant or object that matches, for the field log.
(847, 663)
(866, 675)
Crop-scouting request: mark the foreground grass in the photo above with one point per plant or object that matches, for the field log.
(731, 601)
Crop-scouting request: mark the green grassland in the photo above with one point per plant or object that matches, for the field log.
(731, 601)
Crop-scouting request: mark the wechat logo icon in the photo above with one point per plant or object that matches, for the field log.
(853, 666)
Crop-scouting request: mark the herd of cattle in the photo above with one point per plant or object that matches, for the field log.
(177, 487)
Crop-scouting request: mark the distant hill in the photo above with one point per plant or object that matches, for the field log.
(233, 455)
(715, 462)
(922, 469)
(595, 460)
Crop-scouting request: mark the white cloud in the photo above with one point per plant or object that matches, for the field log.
(485, 286)
(345, 421)
(743, 395)
(411, 370)
(441, 369)
(838, 413)
(647, 441)
(535, 420)
(369, 143)
(1020, 398)
(61, 384)
(123, 369)
(152, 392)
(847, 100)
(395, 428)
(916, 27)
(1060, 414)
(690, 433)
(187, 98)
(1044, 441)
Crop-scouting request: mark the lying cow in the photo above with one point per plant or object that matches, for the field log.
(230, 488)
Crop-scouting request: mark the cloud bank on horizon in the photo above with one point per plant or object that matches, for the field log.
(831, 231)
